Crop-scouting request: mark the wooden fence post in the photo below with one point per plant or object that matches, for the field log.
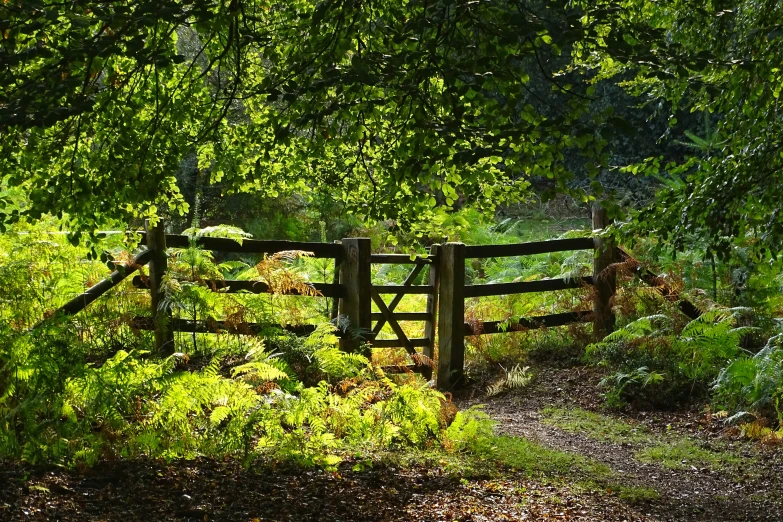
(451, 320)
(156, 243)
(431, 326)
(356, 279)
(604, 278)
(335, 310)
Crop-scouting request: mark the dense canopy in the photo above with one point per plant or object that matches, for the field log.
(388, 102)
(395, 107)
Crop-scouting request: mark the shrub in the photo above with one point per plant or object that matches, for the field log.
(659, 366)
(754, 382)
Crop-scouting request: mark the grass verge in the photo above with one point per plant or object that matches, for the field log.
(670, 451)
(594, 425)
(684, 453)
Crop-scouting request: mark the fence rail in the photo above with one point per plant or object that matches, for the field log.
(403, 290)
(81, 301)
(400, 259)
(529, 249)
(252, 246)
(528, 323)
(452, 328)
(524, 287)
(212, 326)
(233, 286)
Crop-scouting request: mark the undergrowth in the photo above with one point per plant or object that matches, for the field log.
(669, 450)
(658, 365)
(133, 405)
(686, 454)
(75, 390)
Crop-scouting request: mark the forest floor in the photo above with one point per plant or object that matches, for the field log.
(681, 465)
(607, 467)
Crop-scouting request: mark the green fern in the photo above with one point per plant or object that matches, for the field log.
(224, 231)
(322, 346)
(753, 382)
(649, 353)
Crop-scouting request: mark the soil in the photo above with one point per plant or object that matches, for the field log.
(206, 490)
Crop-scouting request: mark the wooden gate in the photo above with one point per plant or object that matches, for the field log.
(422, 361)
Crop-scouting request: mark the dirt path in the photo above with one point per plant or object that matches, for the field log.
(753, 490)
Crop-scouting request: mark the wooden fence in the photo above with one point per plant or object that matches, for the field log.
(445, 288)
(452, 328)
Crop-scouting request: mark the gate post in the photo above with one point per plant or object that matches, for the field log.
(451, 320)
(431, 326)
(356, 304)
(335, 310)
(604, 276)
(161, 319)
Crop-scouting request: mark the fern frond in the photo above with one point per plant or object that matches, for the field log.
(518, 377)
(224, 231)
(496, 388)
(219, 414)
(259, 370)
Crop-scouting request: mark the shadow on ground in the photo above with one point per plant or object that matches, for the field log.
(223, 491)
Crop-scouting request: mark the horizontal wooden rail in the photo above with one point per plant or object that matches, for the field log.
(647, 275)
(404, 316)
(524, 287)
(400, 259)
(81, 301)
(397, 343)
(212, 326)
(529, 323)
(253, 246)
(528, 249)
(405, 368)
(231, 286)
(403, 289)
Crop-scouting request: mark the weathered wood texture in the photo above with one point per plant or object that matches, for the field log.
(231, 286)
(400, 259)
(81, 301)
(523, 287)
(395, 326)
(527, 249)
(451, 315)
(254, 246)
(212, 326)
(397, 298)
(431, 327)
(396, 343)
(400, 316)
(158, 264)
(401, 289)
(356, 303)
(335, 309)
(529, 323)
(646, 275)
(604, 276)
(388, 316)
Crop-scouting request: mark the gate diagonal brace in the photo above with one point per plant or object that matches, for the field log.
(393, 323)
(397, 298)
